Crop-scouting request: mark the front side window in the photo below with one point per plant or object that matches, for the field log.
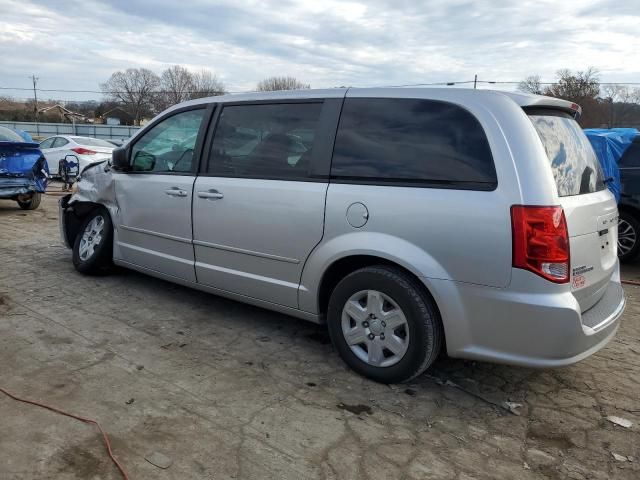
(575, 167)
(265, 141)
(412, 142)
(168, 147)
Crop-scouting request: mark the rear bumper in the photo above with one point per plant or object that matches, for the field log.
(12, 187)
(534, 329)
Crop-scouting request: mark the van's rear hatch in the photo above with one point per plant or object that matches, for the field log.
(590, 209)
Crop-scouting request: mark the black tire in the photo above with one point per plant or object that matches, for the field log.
(423, 320)
(100, 260)
(32, 203)
(632, 242)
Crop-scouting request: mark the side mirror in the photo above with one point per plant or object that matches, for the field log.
(143, 162)
(120, 159)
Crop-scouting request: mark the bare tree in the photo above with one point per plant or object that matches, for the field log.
(623, 104)
(582, 88)
(135, 88)
(176, 84)
(575, 87)
(206, 84)
(531, 84)
(620, 93)
(281, 83)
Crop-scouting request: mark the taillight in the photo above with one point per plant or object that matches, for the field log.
(83, 151)
(541, 241)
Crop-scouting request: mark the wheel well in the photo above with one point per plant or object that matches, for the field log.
(629, 209)
(74, 214)
(344, 266)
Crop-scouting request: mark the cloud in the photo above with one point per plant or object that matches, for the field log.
(76, 44)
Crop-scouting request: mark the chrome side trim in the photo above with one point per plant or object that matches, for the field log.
(294, 312)
(252, 276)
(156, 234)
(154, 253)
(246, 252)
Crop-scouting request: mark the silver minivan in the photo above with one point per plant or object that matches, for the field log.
(408, 220)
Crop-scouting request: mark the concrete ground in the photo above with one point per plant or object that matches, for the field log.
(227, 391)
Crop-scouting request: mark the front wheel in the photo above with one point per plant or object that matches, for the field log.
(628, 237)
(31, 203)
(93, 247)
(384, 325)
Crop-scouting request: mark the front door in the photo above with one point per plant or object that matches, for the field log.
(154, 230)
(258, 210)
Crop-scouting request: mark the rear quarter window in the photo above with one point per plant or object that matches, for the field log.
(574, 164)
(412, 142)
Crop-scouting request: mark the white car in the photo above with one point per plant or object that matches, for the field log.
(86, 149)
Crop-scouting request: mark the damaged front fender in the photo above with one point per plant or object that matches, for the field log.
(95, 187)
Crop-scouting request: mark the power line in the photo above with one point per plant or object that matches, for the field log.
(62, 90)
(431, 84)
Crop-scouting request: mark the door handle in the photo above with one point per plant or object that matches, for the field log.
(175, 192)
(211, 194)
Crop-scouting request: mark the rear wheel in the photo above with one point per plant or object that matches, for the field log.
(628, 237)
(384, 325)
(93, 247)
(30, 203)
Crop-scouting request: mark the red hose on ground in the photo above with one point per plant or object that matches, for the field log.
(82, 419)
(631, 282)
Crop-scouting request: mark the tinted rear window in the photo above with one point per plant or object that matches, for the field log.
(631, 156)
(7, 135)
(412, 142)
(575, 166)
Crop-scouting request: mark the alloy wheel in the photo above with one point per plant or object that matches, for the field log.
(91, 238)
(627, 237)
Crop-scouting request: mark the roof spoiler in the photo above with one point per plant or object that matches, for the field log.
(542, 101)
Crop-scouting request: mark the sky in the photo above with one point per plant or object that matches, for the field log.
(77, 44)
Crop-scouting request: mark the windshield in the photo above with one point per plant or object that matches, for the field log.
(7, 135)
(574, 163)
(92, 142)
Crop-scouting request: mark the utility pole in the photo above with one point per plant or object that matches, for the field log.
(610, 112)
(35, 99)
(475, 81)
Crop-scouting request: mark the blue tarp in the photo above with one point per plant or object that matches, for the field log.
(610, 145)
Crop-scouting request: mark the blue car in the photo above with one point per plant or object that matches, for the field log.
(23, 170)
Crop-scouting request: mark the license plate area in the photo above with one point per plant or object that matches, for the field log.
(606, 240)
